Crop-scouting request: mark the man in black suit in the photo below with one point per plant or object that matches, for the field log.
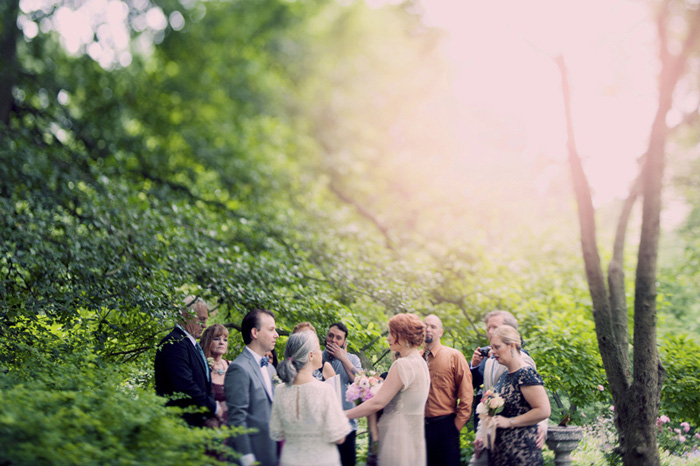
(181, 367)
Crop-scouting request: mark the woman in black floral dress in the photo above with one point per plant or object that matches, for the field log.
(526, 404)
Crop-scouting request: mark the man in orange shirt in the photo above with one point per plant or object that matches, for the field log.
(449, 404)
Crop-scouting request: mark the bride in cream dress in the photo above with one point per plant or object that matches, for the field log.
(403, 396)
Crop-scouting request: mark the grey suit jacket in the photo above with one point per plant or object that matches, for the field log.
(249, 406)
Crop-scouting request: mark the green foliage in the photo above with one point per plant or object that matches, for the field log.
(80, 410)
(567, 357)
(598, 443)
(677, 446)
(680, 398)
(272, 154)
(678, 438)
(466, 444)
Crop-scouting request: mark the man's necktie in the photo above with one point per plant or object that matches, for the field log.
(204, 358)
(426, 356)
(264, 361)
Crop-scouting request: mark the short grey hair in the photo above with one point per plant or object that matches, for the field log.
(296, 355)
(508, 318)
(192, 302)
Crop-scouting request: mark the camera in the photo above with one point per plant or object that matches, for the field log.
(484, 351)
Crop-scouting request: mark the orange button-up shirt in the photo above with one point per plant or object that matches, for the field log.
(451, 388)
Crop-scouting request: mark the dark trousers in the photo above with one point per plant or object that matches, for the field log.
(347, 450)
(442, 441)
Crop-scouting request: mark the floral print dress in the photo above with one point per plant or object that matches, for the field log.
(516, 446)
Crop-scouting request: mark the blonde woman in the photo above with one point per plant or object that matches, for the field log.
(525, 404)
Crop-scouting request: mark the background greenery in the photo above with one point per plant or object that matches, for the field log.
(245, 158)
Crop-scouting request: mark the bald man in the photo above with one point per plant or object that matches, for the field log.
(449, 404)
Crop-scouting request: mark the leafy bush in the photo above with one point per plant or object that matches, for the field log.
(567, 357)
(679, 439)
(680, 397)
(81, 411)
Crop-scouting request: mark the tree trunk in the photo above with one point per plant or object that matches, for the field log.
(8, 56)
(636, 395)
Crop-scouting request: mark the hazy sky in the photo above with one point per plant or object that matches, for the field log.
(502, 57)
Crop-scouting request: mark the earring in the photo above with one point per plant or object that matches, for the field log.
(511, 353)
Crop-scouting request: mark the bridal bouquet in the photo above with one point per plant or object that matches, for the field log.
(490, 405)
(365, 386)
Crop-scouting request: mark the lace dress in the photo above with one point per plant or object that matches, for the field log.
(517, 446)
(401, 427)
(309, 418)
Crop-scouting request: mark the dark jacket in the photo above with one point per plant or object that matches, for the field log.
(179, 368)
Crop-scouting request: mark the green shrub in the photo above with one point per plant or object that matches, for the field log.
(80, 412)
(680, 397)
(678, 438)
(568, 360)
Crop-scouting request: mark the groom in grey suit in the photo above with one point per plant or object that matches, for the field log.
(249, 390)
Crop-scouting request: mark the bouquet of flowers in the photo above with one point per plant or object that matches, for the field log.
(365, 386)
(491, 404)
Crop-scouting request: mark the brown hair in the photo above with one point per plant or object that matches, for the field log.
(407, 327)
(208, 336)
(508, 318)
(303, 326)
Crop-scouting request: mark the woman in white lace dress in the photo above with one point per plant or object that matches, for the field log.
(306, 413)
(403, 396)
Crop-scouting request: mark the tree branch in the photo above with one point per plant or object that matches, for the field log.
(610, 350)
(366, 214)
(460, 305)
(616, 277)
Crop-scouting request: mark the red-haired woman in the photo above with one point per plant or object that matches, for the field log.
(214, 343)
(403, 396)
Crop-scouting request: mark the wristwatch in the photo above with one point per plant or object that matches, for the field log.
(510, 422)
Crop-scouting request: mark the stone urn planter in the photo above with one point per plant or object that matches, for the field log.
(562, 441)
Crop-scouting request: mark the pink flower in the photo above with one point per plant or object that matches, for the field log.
(663, 419)
(612, 408)
(352, 393)
(678, 431)
(601, 388)
(681, 438)
(697, 435)
(685, 426)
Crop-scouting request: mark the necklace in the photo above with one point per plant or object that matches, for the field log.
(218, 370)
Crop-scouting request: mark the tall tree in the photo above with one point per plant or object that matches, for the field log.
(635, 384)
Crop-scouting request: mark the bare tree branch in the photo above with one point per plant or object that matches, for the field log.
(610, 349)
(616, 277)
(365, 213)
(460, 305)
